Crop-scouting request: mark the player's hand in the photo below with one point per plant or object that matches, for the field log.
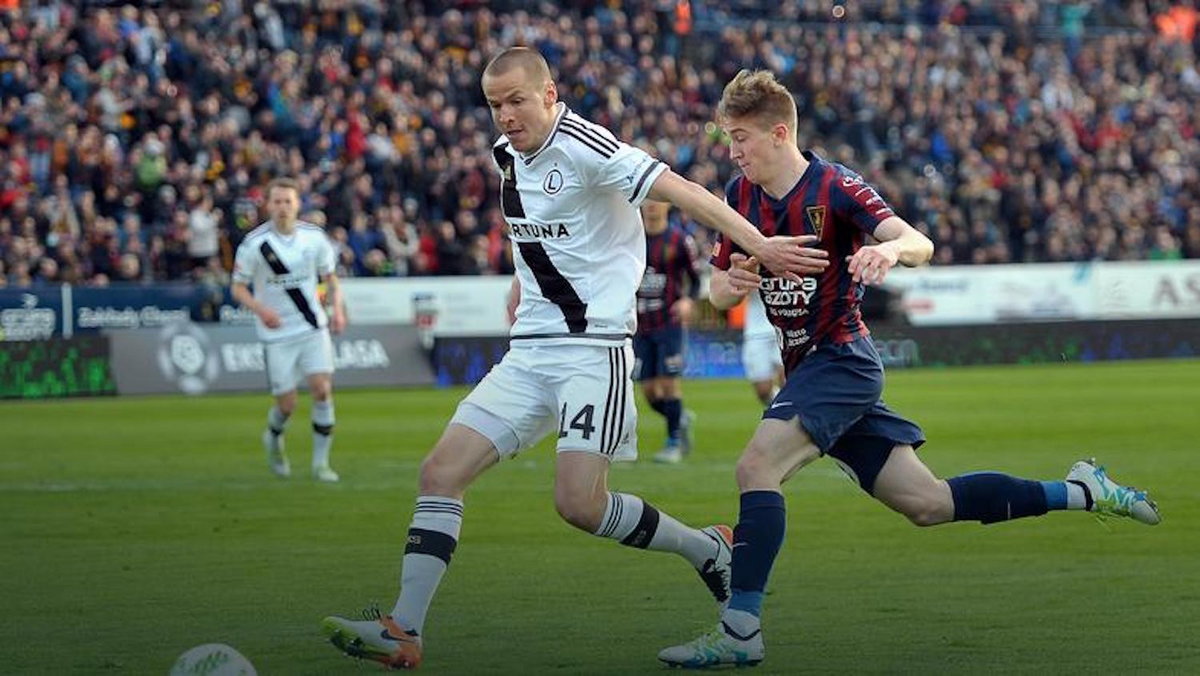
(270, 318)
(338, 323)
(743, 274)
(514, 299)
(789, 257)
(871, 264)
(682, 310)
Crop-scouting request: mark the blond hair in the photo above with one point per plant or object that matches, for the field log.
(757, 94)
(283, 182)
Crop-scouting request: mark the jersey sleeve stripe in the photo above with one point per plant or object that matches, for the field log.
(578, 136)
(591, 134)
(556, 288)
(637, 190)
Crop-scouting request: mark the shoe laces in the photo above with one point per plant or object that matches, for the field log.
(712, 645)
(371, 612)
(716, 580)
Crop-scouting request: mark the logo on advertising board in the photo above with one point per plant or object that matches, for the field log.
(28, 322)
(187, 358)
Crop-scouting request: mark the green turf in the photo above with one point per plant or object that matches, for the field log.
(135, 528)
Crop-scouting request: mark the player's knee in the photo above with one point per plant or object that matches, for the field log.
(440, 476)
(926, 511)
(581, 511)
(286, 405)
(322, 390)
(754, 469)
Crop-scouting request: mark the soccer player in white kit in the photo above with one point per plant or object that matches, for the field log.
(570, 192)
(760, 351)
(284, 258)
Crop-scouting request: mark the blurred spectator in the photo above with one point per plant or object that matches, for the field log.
(1017, 131)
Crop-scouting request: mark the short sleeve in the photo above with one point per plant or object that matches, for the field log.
(723, 248)
(244, 262)
(327, 257)
(859, 202)
(609, 164)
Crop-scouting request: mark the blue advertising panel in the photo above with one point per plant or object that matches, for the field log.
(31, 313)
(42, 312)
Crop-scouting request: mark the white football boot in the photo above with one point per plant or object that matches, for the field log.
(719, 647)
(325, 474)
(276, 459)
(1108, 498)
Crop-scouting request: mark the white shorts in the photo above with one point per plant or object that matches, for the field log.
(290, 361)
(581, 393)
(761, 357)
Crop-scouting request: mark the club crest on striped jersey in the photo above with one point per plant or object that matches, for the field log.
(816, 218)
(553, 182)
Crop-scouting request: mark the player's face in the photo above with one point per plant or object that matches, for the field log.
(654, 214)
(283, 204)
(522, 107)
(753, 147)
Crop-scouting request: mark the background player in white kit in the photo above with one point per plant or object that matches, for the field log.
(570, 192)
(285, 258)
(760, 351)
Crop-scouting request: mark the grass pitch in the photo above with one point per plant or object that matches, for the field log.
(132, 529)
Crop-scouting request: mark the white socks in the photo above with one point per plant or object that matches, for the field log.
(432, 538)
(636, 523)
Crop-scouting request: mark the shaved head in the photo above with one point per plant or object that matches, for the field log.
(522, 96)
(532, 63)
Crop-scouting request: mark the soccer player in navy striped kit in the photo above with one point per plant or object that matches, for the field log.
(665, 302)
(830, 403)
(570, 193)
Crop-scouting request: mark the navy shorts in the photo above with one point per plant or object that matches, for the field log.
(658, 353)
(836, 392)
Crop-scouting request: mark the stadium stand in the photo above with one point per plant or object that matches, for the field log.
(135, 140)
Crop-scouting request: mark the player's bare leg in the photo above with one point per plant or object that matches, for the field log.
(667, 394)
(320, 386)
(582, 498)
(458, 458)
(272, 437)
(906, 485)
(778, 450)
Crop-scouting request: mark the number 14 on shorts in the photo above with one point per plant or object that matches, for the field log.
(582, 422)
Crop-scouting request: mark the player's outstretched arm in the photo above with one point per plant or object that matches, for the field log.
(899, 243)
(785, 256)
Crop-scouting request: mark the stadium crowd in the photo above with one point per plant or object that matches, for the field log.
(135, 141)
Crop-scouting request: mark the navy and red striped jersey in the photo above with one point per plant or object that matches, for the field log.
(671, 260)
(838, 206)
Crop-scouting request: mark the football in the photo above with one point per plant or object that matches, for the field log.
(213, 659)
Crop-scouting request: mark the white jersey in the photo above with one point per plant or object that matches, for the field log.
(757, 324)
(579, 244)
(285, 271)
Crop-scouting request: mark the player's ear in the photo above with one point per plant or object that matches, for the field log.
(551, 96)
(779, 133)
